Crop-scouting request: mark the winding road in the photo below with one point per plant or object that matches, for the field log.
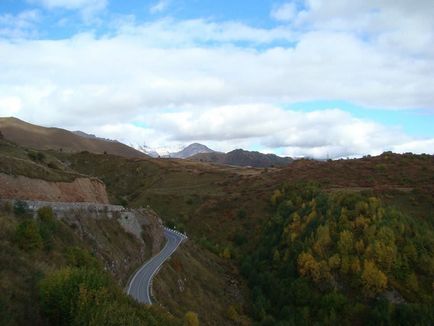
(141, 283)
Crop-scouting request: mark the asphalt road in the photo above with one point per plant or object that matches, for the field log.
(141, 283)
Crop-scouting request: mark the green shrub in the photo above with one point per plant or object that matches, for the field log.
(78, 257)
(21, 208)
(47, 226)
(27, 236)
(36, 156)
(83, 296)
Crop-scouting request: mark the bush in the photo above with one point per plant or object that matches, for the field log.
(53, 166)
(87, 296)
(47, 226)
(27, 236)
(21, 208)
(36, 156)
(78, 257)
(191, 319)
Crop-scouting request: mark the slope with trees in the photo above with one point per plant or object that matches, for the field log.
(341, 258)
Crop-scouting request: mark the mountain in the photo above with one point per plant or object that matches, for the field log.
(148, 151)
(29, 135)
(241, 157)
(191, 150)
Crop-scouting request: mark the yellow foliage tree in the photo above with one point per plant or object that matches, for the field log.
(355, 265)
(277, 195)
(374, 281)
(359, 246)
(191, 319)
(308, 266)
(334, 261)
(345, 243)
(226, 253)
(323, 239)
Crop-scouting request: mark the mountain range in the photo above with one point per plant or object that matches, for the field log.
(191, 150)
(240, 157)
(30, 135)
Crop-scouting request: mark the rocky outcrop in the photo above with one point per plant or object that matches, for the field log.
(79, 190)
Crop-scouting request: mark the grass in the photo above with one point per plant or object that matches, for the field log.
(16, 160)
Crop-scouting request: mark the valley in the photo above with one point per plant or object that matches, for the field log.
(234, 217)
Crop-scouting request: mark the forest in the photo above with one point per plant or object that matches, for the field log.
(340, 258)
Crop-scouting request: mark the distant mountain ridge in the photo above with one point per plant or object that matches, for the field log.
(240, 157)
(191, 150)
(37, 137)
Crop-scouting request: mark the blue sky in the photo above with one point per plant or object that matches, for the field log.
(299, 78)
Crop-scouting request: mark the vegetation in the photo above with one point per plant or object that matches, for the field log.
(49, 276)
(363, 270)
(340, 257)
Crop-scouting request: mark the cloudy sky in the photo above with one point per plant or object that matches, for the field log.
(317, 78)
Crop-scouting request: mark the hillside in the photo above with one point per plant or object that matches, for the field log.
(191, 150)
(226, 212)
(29, 135)
(241, 157)
(342, 258)
(224, 209)
(216, 282)
(64, 272)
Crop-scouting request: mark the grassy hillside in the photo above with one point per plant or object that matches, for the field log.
(29, 135)
(223, 209)
(49, 276)
(218, 202)
(17, 160)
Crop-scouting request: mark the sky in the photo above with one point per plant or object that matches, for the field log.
(303, 78)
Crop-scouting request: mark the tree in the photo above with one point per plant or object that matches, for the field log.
(308, 266)
(275, 198)
(323, 239)
(27, 236)
(345, 243)
(47, 226)
(374, 281)
(191, 319)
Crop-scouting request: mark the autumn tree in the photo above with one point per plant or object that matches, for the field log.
(191, 319)
(374, 281)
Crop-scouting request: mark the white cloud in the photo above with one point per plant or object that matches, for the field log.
(159, 6)
(331, 132)
(416, 146)
(20, 25)
(9, 106)
(285, 12)
(227, 94)
(87, 7)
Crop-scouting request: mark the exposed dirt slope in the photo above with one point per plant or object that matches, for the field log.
(26, 134)
(79, 190)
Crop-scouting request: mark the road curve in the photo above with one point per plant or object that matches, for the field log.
(140, 285)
